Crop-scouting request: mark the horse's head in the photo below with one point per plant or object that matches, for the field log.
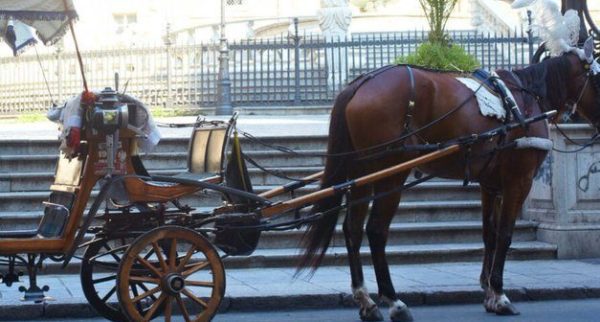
(584, 83)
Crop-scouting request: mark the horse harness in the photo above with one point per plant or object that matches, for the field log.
(411, 100)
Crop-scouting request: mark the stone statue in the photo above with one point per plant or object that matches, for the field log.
(250, 33)
(334, 18)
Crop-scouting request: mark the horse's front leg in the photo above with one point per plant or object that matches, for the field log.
(490, 214)
(378, 227)
(353, 235)
(512, 201)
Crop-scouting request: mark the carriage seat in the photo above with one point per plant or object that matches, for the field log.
(51, 225)
(57, 208)
(206, 150)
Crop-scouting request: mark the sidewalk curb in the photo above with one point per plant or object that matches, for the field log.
(80, 309)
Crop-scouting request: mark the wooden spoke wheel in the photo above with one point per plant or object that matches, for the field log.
(99, 269)
(177, 266)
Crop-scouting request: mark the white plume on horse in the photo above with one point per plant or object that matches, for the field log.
(522, 3)
(560, 33)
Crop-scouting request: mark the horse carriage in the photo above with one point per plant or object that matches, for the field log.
(151, 250)
(161, 257)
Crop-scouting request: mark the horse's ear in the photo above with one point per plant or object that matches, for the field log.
(588, 49)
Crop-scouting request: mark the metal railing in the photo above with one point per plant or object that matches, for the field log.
(294, 70)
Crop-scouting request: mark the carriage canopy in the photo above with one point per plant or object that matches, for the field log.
(19, 19)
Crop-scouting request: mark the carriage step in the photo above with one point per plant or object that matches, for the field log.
(397, 254)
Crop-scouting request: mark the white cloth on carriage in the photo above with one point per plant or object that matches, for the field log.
(71, 115)
(490, 103)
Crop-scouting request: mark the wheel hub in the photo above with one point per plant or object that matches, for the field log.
(173, 284)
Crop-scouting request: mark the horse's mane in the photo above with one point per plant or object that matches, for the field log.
(547, 80)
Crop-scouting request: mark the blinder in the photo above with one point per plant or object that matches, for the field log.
(594, 73)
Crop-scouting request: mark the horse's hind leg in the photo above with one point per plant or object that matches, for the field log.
(353, 234)
(378, 227)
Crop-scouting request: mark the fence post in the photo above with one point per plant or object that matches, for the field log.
(224, 87)
(296, 63)
(529, 35)
(59, 81)
(168, 44)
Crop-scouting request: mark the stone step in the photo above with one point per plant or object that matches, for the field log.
(296, 143)
(435, 197)
(419, 233)
(163, 160)
(16, 181)
(29, 147)
(37, 147)
(20, 163)
(396, 254)
(24, 210)
(337, 256)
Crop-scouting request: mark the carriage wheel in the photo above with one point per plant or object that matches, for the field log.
(180, 268)
(99, 269)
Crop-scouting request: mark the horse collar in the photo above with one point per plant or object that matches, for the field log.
(411, 101)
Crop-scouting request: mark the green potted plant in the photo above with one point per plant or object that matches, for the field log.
(439, 52)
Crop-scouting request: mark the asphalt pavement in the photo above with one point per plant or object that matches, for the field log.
(267, 289)
(544, 311)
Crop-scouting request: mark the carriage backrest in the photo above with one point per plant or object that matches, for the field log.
(207, 147)
(62, 196)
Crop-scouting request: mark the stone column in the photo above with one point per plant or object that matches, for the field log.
(334, 19)
(565, 197)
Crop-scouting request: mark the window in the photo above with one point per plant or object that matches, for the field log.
(124, 21)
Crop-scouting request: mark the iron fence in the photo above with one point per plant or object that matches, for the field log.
(291, 70)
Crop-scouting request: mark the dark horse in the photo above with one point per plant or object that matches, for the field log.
(373, 112)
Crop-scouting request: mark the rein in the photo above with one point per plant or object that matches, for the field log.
(583, 146)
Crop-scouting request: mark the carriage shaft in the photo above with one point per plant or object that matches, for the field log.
(293, 186)
(361, 181)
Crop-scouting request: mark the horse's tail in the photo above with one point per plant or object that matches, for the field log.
(320, 232)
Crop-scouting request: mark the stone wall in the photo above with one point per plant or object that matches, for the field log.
(565, 197)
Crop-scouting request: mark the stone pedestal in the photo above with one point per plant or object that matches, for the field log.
(565, 197)
(334, 19)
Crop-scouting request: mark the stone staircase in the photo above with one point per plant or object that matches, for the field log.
(437, 221)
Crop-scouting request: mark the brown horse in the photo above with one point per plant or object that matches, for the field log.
(373, 111)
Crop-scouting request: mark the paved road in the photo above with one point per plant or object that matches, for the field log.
(548, 311)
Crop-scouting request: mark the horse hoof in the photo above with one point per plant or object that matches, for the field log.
(401, 315)
(371, 314)
(488, 303)
(507, 309)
